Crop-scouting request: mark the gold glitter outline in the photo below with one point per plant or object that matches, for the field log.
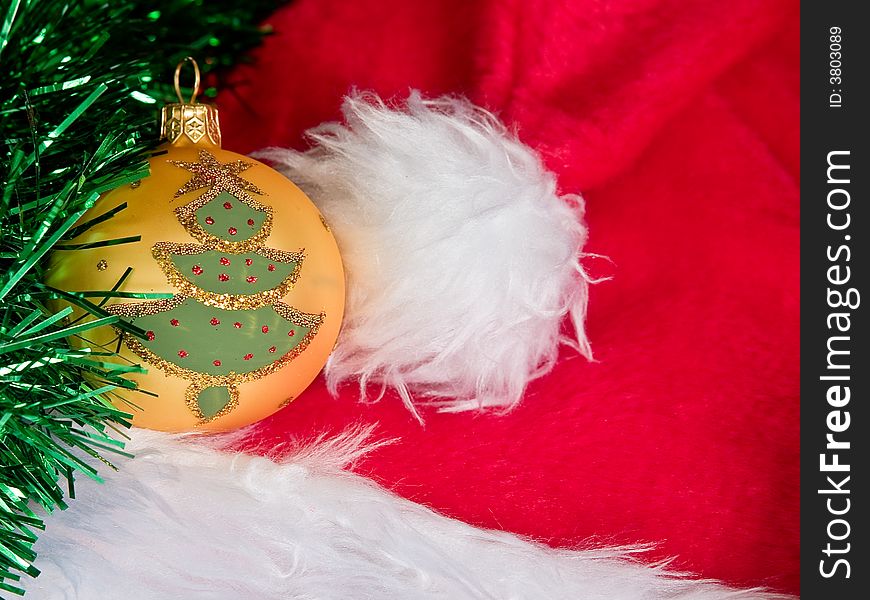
(209, 173)
(200, 381)
(186, 215)
(220, 177)
(163, 252)
(196, 388)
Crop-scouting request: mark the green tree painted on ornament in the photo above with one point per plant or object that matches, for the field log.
(227, 325)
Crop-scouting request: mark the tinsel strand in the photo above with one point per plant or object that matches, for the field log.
(80, 83)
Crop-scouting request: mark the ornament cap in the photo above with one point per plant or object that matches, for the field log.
(189, 123)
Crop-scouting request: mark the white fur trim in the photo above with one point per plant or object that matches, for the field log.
(462, 260)
(183, 521)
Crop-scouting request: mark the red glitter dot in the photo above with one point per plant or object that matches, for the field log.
(174, 322)
(248, 356)
(271, 267)
(228, 205)
(249, 261)
(216, 363)
(182, 353)
(292, 333)
(237, 325)
(272, 349)
(251, 222)
(197, 270)
(232, 231)
(215, 321)
(251, 279)
(265, 329)
(150, 335)
(223, 277)
(224, 261)
(209, 221)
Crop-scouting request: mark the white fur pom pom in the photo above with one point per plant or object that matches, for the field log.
(183, 521)
(462, 260)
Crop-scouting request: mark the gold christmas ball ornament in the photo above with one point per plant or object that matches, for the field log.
(250, 275)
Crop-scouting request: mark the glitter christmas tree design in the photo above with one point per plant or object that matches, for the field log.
(227, 324)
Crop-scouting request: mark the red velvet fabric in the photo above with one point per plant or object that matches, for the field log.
(678, 120)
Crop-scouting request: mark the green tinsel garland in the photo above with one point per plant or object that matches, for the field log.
(80, 85)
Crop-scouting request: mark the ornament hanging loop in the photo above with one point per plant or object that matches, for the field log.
(195, 92)
(187, 122)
